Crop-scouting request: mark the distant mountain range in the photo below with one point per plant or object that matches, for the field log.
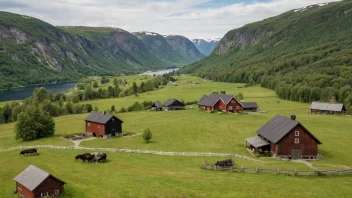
(206, 46)
(33, 51)
(304, 54)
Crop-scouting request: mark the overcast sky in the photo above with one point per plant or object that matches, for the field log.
(190, 18)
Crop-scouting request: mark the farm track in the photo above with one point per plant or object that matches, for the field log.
(189, 154)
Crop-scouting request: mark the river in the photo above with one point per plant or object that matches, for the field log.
(25, 92)
(158, 73)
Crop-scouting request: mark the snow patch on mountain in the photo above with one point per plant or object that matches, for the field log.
(311, 6)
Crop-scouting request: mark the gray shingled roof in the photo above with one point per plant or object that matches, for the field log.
(100, 117)
(248, 105)
(327, 106)
(170, 102)
(32, 177)
(278, 127)
(213, 98)
(257, 142)
(157, 104)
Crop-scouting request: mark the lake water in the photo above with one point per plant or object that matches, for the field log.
(25, 92)
(158, 73)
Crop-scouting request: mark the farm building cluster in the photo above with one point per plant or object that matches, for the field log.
(169, 105)
(225, 103)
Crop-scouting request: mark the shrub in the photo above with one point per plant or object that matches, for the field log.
(147, 135)
(34, 124)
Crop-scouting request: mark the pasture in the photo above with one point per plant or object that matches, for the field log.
(192, 130)
(135, 175)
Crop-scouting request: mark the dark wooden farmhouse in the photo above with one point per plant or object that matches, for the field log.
(34, 182)
(286, 138)
(157, 106)
(327, 108)
(103, 125)
(249, 106)
(221, 102)
(174, 104)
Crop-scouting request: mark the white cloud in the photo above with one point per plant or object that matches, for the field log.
(182, 17)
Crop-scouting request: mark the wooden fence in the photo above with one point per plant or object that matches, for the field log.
(276, 171)
(191, 154)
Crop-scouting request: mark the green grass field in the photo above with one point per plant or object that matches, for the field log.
(192, 130)
(134, 175)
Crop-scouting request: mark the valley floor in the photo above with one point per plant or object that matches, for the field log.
(192, 130)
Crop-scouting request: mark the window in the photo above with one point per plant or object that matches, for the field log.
(296, 133)
(88, 124)
(233, 101)
(296, 140)
(230, 108)
(44, 194)
(57, 192)
(238, 107)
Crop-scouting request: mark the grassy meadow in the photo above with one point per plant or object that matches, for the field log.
(192, 130)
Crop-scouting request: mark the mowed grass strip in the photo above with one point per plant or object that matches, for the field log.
(135, 175)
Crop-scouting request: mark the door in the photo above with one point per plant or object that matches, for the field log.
(296, 154)
(113, 132)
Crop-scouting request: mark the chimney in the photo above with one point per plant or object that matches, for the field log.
(293, 117)
(223, 92)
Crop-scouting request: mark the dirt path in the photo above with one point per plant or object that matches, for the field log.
(78, 142)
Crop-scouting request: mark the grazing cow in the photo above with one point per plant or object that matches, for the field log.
(85, 156)
(98, 157)
(29, 151)
(227, 162)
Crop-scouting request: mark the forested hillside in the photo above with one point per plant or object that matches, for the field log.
(35, 52)
(304, 54)
(160, 47)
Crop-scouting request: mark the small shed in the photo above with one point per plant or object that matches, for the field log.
(174, 104)
(250, 106)
(34, 182)
(157, 106)
(103, 124)
(327, 108)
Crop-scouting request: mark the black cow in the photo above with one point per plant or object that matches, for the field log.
(29, 151)
(98, 157)
(85, 156)
(227, 162)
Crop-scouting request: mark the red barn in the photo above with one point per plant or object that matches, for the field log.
(286, 138)
(103, 125)
(222, 102)
(33, 182)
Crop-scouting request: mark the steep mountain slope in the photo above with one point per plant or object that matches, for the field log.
(185, 47)
(304, 54)
(32, 51)
(158, 46)
(206, 46)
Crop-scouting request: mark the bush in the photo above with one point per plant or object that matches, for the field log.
(147, 135)
(191, 103)
(112, 109)
(122, 110)
(34, 124)
(95, 84)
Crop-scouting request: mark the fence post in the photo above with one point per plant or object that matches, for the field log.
(278, 171)
(215, 167)
(256, 170)
(295, 172)
(241, 168)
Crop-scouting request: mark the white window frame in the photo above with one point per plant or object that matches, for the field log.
(44, 194)
(230, 108)
(297, 133)
(233, 101)
(296, 140)
(88, 124)
(238, 107)
(57, 192)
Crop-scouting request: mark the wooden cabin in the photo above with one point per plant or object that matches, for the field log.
(103, 125)
(34, 182)
(221, 102)
(157, 106)
(327, 108)
(250, 106)
(286, 138)
(174, 104)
